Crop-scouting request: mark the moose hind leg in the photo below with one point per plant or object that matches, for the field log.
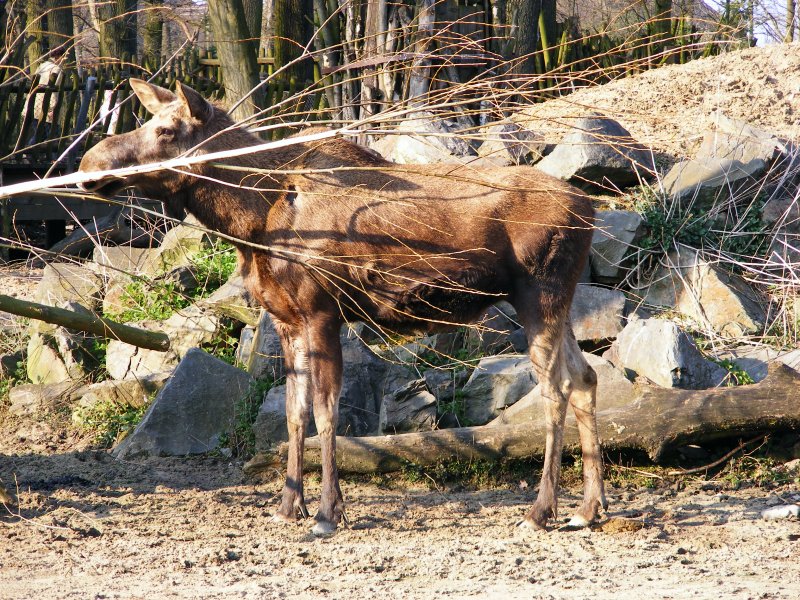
(546, 356)
(298, 412)
(582, 398)
(326, 364)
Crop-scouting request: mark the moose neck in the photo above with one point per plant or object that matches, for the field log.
(235, 201)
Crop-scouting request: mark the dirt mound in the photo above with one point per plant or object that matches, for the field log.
(670, 108)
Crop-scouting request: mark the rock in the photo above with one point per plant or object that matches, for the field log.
(614, 390)
(777, 513)
(31, 399)
(192, 327)
(191, 412)
(113, 261)
(492, 331)
(62, 283)
(425, 138)
(597, 313)
(705, 293)
(755, 360)
(259, 350)
(134, 393)
(659, 350)
(178, 248)
(600, 152)
(729, 163)
(511, 144)
(44, 364)
(270, 424)
(233, 300)
(10, 363)
(615, 232)
(411, 408)
(496, 383)
(443, 383)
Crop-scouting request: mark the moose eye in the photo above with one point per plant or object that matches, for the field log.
(165, 132)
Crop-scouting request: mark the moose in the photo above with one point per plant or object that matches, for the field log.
(329, 232)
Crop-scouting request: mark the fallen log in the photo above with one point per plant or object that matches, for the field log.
(659, 419)
(152, 340)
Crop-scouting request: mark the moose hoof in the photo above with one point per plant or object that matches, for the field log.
(529, 524)
(323, 529)
(578, 522)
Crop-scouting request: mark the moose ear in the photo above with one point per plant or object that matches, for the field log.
(152, 97)
(198, 107)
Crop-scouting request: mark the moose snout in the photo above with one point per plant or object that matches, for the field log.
(102, 157)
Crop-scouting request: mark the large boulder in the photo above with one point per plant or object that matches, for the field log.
(597, 313)
(270, 427)
(259, 351)
(178, 248)
(234, 301)
(492, 331)
(496, 383)
(190, 328)
(705, 293)
(511, 144)
(600, 152)
(192, 411)
(614, 390)
(658, 350)
(615, 232)
(410, 408)
(730, 163)
(424, 138)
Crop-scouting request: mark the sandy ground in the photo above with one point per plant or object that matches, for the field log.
(89, 526)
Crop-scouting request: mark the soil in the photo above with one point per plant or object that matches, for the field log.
(670, 108)
(90, 526)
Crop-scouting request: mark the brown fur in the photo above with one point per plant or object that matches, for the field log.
(404, 248)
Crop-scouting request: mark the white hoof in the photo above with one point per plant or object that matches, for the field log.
(323, 529)
(578, 522)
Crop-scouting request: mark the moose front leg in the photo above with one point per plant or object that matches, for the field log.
(326, 366)
(298, 411)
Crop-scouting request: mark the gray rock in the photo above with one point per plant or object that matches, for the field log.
(233, 300)
(270, 425)
(658, 350)
(260, 350)
(496, 383)
(44, 364)
(134, 393)
(178, 248)
(705, 293)
(192, 411)
(411, 408)
(492, 331)
(33, 399)
(112, 261)
(728, 164)
(597, 313)
(190, 328)
(425, 138)
(755, 360)
(614, 390)
(599, 152)
(511, 144)
(615, 232)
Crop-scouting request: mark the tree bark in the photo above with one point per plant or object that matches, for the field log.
(35, 30)
(419, 81)
(153, 34)
(660, 419)
(253, 9)
(153, 340)
(293, 30)
(60, 27)
(237, 55)
(116, 24)
(791, 6)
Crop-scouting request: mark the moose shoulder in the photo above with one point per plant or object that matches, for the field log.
(328, 232)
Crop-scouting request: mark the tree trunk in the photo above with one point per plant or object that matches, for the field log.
(153, 340)
(293, 30)
(419, 82)
(660, 419)
(790, 16)
(237, 55)
(35, 29)
(374, 43)
(153, 34)
(526, 33)
(253, 9)
(61, 31)
(662, 26)
(116, 22)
